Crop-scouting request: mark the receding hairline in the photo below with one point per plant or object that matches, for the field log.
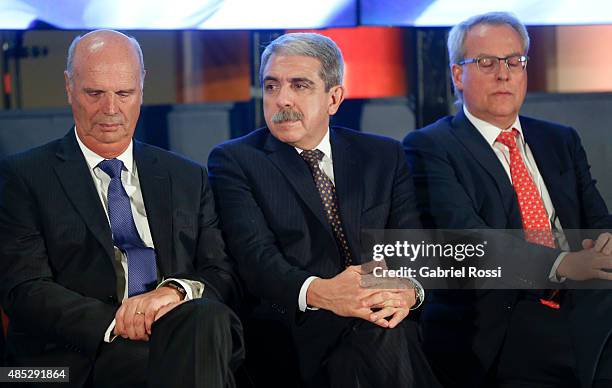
(474, 27)
(117, 39)
(99, 40)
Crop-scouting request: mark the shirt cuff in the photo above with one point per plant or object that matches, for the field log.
(109, 336)
(302, 296)
(193, 288)
(552, 276)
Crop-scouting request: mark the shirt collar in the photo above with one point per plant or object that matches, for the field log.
(324, 146)
(93, 159)
(490, 131)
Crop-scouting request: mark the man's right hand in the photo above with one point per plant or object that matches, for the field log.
(344, 296)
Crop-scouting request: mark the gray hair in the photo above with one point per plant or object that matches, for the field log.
(456, 36)
(75, 42)
(310, 45)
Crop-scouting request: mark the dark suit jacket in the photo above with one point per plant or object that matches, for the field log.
(461, 184)
(275, 228)
(57, 283)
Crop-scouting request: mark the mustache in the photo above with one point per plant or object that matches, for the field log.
(287, 115)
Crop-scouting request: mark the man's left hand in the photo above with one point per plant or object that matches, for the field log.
(134, 318)
(603, 244)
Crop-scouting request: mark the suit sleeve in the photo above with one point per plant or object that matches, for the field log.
(444, 204)
(594, 212)
(441, 200)
(29, 293)
(267, 273)
(212, 262)
(404, 213)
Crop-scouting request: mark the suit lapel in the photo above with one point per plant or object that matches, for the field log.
(155, 185)
(296, 171)
(349, 185)
(74, 175)
(550, 168)
(476, 144)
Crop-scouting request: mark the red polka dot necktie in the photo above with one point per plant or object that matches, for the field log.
(533, 213)
(327, 192)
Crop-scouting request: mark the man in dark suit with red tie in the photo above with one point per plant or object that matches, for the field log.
(293, 199)
(111, 262)
(489, 168)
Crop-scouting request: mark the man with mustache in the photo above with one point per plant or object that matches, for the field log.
(293, 198)
(489, 168)
(111, 262)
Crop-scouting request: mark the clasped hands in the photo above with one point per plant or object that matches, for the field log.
(135, 316)
(345, 295)
(594, 261)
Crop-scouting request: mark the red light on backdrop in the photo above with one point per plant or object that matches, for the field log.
(374, 60)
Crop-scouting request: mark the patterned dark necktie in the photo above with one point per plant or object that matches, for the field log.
(142, 269)
(327, 192)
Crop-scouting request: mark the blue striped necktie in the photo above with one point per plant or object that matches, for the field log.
(142, 269)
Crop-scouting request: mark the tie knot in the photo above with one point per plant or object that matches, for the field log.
(112, 167)
(508, 138)
(312, 157)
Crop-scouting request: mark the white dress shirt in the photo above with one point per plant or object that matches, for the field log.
(490, 134)
(131, 183)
